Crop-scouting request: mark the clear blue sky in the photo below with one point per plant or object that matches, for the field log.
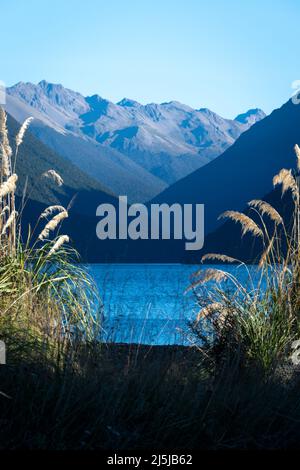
(227, 55)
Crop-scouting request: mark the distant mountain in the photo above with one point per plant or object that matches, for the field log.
(250, 117)
(165, 141)
(243, 172)
(106, 165)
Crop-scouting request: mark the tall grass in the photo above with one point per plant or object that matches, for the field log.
(258, 320)
(43, 288)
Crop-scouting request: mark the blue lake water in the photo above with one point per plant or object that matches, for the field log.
(145, 303)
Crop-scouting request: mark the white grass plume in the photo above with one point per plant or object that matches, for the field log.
(5, 161)
(4, 133)
(51, 209)
(50, 226)
(297, 152)
(11, 219)
(8, 186)
(61, 240)
(23, 128)
(248, 225)
(266, 208)
(52, 174)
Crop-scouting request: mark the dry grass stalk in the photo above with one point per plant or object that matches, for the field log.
(248, 225)
(8, 186)
(207, 275)
(218, 257)
(52, 225)
(8, 214)
(5, 162)
(266, 208)
(21, 133)
(4, 133)
(61, 240)
(52, 174)
(11, 219)
(266, 253)
(51, 209)
(264, 317)
(4, 211)
(288, 182)
(297, 152)
(209, 310)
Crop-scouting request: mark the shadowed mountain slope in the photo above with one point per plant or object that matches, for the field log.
(244, 171)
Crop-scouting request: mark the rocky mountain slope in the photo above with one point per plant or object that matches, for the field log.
(150, 145)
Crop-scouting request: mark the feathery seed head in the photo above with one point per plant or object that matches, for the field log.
(4, 133)
(9, 222)
(248, 225)
(5, 161)
(52, 174)
(8, 186)
(51, 209)
(218, 257)
(61, 240)
(209, 310)
(206, 275)
(288, 182)
(23, 128)
(266, 208)
(52, 225)
(297, 152)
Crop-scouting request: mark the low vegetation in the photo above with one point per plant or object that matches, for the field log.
(261, 319)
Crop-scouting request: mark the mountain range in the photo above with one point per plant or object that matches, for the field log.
(244, 171)
(130, 148)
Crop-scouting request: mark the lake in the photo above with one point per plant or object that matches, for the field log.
(145, 303)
